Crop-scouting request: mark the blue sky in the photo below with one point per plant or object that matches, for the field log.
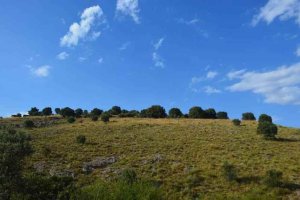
(234, 56)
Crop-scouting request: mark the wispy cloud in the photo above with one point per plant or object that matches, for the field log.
(282, 9)
(124, 46)
(158, 61)
(158, 44)
(82, 59)
(298, 52)
(78, 31)
(211, 74)
(280, 86)
(188, 22)
(42, 71)
(130, 8)
(100, 60)
(62, 56)
(211, 90)
(235, 74)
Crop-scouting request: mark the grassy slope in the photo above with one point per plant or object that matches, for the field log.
(185, 146)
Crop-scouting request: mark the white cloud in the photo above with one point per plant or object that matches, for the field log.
(298, 52)
(95, 35)
(211, 90)
(158, 61)
(211, 74)
(280, 86)
(282, 9)
(129, 7)
(42, 71)
(80, 30)
(158, 44)
(100, 60)
(124, 46)
(62, 56)
(82, 59)
(188, 22)
(235, 74)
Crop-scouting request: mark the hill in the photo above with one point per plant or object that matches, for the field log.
(184, 157)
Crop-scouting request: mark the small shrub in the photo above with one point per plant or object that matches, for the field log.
(267, 129)
(236, 122)
(28, 124)
(95, 118)
(273, 178)
(105, 117)
(229, 172)
(129, 176)
(80, 139)
(71, 120)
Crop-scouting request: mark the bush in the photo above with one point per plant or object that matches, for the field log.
(267, 129)
(14, 147)
(196, 112)
(95, 118)
(248, 116)
(71, 120)
(96, 112)
(28, 124)
(210, 113)
(229, 172)
(67, 112)
(128, 176)
(80, 139)
(132, 113)
(42, 187)
(34, 112)
(222, 115)
(265, 118)
(156, 111)
(78, 112)
(236, 122)
(47, 111)
(175, 113)
(105, 117)
(57, 111)
(273, 178)
(115, 110)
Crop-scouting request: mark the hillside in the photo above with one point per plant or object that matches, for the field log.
(183, 156)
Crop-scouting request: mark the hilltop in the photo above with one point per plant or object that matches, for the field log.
(184, 157)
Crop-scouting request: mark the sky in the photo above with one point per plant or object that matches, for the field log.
(234, 56)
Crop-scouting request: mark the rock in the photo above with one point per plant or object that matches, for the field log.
(39, 166)
(99, 162)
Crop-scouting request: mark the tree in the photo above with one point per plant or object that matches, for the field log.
(47, 111)
(14, 147)
(57, 111)
(248, 116)
(175, 113)
(115, 110)
(156, 111)
(96, 112)
(34, 112)
(265, 118)
(222, 115)
(67, 112)
(85, 113)
(78, 112)
(196, 112)
(132, 113)
(267, 129)
(210, 113)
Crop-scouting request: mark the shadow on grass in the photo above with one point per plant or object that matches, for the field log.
(91, 143)
(290, 186)
(287, 140)
(249, 179)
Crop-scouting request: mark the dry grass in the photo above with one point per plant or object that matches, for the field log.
(185, 156)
